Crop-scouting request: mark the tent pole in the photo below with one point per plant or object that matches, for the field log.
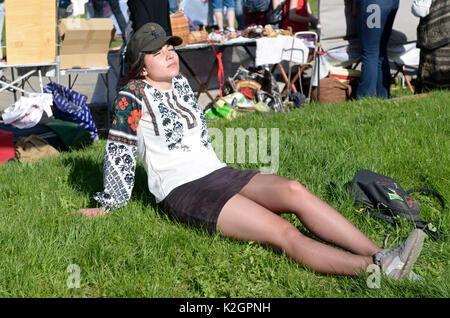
(319, 48)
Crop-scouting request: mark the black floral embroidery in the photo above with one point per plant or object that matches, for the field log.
(157, 95)
(166, 112)
(129, 179)
(112, 148)
(174, 133)
(119, 164)
(174, 137)
(186, 88)
(177, 86)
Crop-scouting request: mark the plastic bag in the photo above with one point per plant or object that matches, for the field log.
(28, 110)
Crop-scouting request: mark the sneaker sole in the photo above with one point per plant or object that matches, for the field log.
(413, 254)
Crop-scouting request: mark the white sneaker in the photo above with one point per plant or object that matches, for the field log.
(398, 261)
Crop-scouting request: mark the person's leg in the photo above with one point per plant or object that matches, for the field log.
(118, 14)
(218, 13)
(173, 6)
(388, 11)
(282, 195)
(238, 11)
(244, 219)
(229, 4)
(369, 33)
(98, 8)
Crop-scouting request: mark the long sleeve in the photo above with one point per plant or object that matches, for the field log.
(119, 160)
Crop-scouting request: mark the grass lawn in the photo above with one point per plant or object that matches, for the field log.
(138, 252)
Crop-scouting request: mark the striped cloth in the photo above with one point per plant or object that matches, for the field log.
(71, 106)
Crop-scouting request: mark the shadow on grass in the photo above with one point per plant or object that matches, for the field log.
(86, 176)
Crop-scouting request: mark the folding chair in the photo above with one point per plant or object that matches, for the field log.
(310, 39)
(18, 84)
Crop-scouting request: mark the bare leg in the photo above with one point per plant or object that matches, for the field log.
(219, 18)
(230, 19)
(282, 195)
(245, 219)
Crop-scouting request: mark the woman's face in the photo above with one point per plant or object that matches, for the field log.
(161, 66)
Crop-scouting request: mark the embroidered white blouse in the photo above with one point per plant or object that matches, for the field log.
(167, 130)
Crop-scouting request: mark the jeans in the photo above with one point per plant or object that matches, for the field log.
(218, 4)
(173, 6)
(239, 12)
(374, 20)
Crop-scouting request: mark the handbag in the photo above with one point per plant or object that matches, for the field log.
(332, 91)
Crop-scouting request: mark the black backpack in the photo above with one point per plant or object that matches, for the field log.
(384, 198)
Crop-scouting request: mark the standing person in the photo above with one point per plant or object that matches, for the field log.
(238, 12)
(255, 11)
(173, 6)
(375, 19)
(158, 118)
(434, 44)
(144, 11)
(116, 10)
(298, 16)
(218, 6)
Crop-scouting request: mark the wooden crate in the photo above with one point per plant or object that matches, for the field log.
(30, 27)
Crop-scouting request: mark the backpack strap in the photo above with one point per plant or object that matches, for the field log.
(424, 225)
(420, 224)
(429, 191)
(381, 216)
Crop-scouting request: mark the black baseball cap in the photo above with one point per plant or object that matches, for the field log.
(150, 37)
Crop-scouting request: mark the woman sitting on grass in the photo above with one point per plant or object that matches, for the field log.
(157, 116)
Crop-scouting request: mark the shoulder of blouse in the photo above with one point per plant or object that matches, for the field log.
(135, 87)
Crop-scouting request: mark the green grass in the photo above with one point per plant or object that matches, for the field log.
(138, 252)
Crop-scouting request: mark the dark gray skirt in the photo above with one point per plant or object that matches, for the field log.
(199, 202)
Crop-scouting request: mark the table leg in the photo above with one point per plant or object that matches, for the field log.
(283, 73)
(203, 86)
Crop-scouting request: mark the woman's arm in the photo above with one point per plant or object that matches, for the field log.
(92, 212)
(313, 19)
(293, 16)
(119, 160)
(297, 18)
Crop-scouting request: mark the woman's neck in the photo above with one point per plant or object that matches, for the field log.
(161, 86)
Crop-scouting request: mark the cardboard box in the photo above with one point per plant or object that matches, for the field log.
(85, 43)
(30, 31)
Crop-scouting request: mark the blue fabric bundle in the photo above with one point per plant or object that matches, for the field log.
(71, 106)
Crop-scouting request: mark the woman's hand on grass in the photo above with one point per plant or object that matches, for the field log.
(90, 213)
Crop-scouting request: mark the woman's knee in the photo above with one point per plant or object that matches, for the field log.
(287, 237)
(294, 188)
